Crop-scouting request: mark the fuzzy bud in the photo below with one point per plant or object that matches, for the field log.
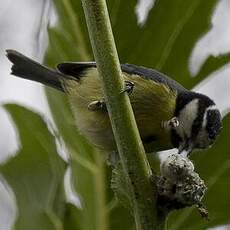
(179, 186)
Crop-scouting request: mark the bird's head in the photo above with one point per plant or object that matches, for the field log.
(199, 122)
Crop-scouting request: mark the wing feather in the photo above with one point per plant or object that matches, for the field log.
(77, 69)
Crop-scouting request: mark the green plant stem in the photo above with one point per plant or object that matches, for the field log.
(125, 130)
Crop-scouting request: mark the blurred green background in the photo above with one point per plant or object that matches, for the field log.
(164, 41)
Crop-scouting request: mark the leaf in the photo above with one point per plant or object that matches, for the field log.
(90, 186)
(213, 166)
(121, 218)
(35, 173)
(72, 26)
(72, 218)
(166, 40)
(212, 64)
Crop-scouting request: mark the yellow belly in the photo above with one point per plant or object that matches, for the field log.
(152, 103)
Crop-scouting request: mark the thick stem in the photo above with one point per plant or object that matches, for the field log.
(125, 130)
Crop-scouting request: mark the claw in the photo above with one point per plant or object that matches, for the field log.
(172, 123)
(128, 87)
(97, 105)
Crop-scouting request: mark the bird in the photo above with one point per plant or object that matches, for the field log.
(167, 114)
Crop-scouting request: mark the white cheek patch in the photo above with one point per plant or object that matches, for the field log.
(186, 117)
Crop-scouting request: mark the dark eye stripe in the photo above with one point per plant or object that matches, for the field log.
(197, 123)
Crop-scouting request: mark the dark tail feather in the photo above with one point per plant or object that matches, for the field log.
(25, 67)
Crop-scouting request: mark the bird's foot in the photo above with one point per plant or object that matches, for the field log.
(172, 123)
(128, 87)
(97, 105)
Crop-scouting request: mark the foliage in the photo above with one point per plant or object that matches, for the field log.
(164, 42)
(35, 173)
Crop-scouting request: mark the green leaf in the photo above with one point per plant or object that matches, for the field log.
(166, 40)
(121, 218)
(72, 26)
(211, 65)
(213, 166)
(73, 218)
(89, 182)
(35, 173)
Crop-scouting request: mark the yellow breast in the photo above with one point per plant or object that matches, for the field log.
(152, 103)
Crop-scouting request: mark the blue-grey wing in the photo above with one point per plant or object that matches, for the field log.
(153, 75)
(77, 69)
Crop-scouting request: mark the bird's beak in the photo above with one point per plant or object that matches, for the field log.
(185, 152)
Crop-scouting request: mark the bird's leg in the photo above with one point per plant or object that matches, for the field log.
(172, 123)
(128, 87)
(100, 104)
(183, 153)
(97, 105)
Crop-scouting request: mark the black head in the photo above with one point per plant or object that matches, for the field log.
(200, 122)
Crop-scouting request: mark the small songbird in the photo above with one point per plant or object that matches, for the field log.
(168, 115)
